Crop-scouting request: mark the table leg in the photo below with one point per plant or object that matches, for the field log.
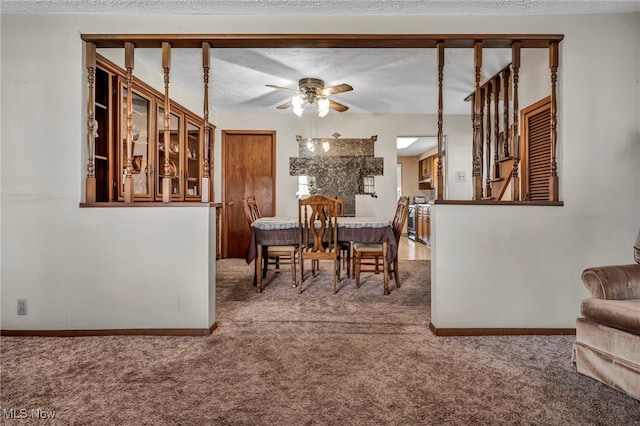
(258, 265)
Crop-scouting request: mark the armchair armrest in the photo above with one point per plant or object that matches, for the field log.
(615, 282)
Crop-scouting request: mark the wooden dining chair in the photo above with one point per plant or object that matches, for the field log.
(271, 255)
(318, 235)
(345, 246)
(366, 257)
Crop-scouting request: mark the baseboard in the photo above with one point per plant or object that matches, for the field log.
(114, 332)
(501, 331)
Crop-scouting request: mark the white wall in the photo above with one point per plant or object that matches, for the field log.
(83, 268)
(47, 240)
(522, 265)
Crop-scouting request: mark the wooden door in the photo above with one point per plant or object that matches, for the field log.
(248, 168)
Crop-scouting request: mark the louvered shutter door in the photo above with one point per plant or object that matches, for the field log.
(539, 155)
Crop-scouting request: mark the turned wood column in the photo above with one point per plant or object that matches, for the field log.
(166, 179)
(496, 127)
(515, 177)
(439, 175)
(205, 125)
(128, 180)
(487, 155)
(506, 80)
(477, 134)
(553, 178)
(90, 181)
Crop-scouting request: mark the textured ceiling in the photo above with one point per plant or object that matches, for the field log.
(384, 80)
(324, 7)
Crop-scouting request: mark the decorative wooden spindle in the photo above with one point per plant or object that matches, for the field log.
(506, 80)
(488, 93)
(515, 177)
(477, 134)
(496, 127)
(440, 177)
(90, 182)
(205, 125)
(128, 180)
(553, 178)
(472, 98)
(481, 141)
(166, 179)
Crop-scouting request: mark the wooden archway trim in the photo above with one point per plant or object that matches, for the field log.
(489, 41)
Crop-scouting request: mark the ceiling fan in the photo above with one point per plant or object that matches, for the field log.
(312, 91)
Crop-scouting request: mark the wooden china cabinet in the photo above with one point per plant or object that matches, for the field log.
(185, 153)
(185, 147)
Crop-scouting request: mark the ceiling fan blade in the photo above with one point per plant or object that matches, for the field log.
(273, 86)
(285, 105)
(337, 89)
(337, 106)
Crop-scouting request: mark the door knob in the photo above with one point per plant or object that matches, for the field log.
(230, 203)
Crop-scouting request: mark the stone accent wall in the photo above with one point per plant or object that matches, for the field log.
(338, 165)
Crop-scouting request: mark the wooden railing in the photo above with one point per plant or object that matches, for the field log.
(496, 150)
(497, 176)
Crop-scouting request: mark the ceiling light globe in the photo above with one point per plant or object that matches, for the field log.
(297, 103)
(323, 106)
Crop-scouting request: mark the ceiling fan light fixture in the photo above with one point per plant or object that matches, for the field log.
(323, 106)
(298, 105)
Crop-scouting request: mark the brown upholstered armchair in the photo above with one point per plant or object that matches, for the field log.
(608, 333)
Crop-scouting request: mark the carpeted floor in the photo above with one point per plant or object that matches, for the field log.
(279, 358)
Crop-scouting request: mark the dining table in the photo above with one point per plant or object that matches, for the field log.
(282, 230)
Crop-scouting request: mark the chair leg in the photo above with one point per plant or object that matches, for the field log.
(356, 267)
(265, 265)
(396, 273)
(386, 269)
(301, 273)
(293, 269)
(336, 273)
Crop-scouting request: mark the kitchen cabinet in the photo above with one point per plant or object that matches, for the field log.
(423, 223)
(425, 173)
(428, 171)
(419, 223)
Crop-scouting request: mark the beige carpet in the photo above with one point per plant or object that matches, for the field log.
(279, 358)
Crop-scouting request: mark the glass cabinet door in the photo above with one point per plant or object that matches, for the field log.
(141, 155)
(194, 161)
(172, 148)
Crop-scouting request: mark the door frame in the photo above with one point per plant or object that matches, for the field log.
(223, 182)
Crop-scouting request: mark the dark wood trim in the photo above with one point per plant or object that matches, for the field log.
(322, 40)
(158, 203)
(501, 331)
(114, 332)
(499, 203)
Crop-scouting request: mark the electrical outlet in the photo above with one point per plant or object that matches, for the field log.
(22, 306)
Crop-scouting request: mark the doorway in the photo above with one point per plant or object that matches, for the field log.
(248, 168)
